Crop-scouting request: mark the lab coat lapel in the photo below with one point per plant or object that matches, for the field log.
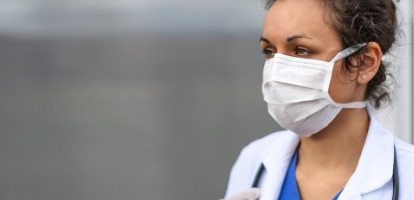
(375, 166)
(276, 160)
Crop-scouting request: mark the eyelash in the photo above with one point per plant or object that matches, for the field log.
(269, 53)
(302, 49)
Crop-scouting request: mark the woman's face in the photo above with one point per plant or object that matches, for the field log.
(299, 28)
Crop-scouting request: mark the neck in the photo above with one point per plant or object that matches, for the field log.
(339, 144)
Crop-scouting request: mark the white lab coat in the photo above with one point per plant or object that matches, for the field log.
(372, 179)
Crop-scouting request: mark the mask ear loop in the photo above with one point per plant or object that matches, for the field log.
(341, 55)
(347, 52)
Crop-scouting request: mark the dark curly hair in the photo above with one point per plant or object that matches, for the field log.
(363, 21)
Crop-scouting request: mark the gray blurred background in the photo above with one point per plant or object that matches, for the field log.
(132, 99)
(119, 99)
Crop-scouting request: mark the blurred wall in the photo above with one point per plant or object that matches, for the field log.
(99, 101)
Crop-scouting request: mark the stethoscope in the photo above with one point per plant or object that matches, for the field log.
(394, 177)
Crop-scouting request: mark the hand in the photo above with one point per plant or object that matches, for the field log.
(249, 194)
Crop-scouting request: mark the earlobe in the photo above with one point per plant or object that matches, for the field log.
(372, 60)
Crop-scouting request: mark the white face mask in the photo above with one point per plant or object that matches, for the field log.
(296, 92)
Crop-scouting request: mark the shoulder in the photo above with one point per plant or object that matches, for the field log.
(251, 154)
(405, 154)
(257, 146)
(249, 160)
(405, 160)
(404, 147)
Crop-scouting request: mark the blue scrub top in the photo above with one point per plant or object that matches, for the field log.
(290, 189)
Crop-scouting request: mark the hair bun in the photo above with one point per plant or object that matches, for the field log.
(391, 9)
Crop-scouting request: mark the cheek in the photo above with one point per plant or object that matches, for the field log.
(342, 88)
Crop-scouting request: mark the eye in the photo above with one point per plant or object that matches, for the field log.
(268, 53)
(302, 51)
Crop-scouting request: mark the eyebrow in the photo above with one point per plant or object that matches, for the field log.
(289, 39)
(264, 40)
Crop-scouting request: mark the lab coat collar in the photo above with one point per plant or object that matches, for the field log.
(374, 169)
(375, 166)
(276, 160)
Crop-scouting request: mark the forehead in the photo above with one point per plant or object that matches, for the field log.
(289, 17)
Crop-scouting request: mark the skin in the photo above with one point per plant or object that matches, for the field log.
(327, 159)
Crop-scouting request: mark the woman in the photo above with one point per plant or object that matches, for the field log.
(323, 64)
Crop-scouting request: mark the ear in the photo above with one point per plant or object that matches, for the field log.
(372, 60)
